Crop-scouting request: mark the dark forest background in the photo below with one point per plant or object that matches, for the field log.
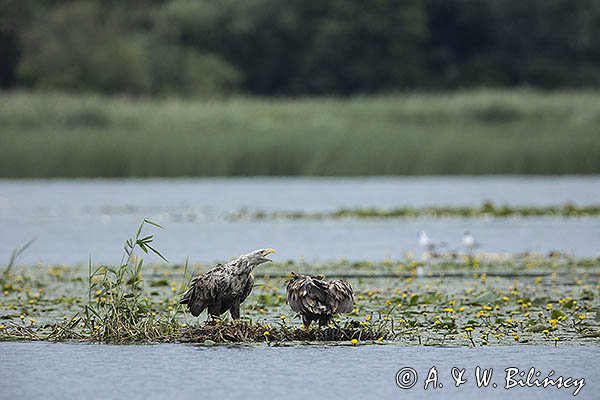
(297, 47)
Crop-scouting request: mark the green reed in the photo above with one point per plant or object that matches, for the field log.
(466, 132)
(117, 310)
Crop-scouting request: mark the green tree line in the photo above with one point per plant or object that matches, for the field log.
(297, 47)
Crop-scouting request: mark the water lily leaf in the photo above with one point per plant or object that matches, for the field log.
(587, 295)
(538, 328)
(540, 300)
(485, 298)
(592, 334)
(569, 303)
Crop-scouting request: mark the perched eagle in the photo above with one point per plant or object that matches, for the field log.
(224, 287)
(316, 299)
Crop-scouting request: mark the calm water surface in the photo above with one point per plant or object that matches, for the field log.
(71, 371)
(73, 219)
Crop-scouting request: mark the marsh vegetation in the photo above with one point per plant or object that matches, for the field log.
(469, 132)
(473, 301)
(487, 209)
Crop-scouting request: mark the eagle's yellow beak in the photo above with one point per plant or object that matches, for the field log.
(267, 252)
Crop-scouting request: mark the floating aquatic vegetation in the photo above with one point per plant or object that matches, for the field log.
(276, 334)
(469, 300)
(487, 209)
(479, 302)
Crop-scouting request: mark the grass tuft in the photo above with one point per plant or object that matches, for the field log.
(120, 313)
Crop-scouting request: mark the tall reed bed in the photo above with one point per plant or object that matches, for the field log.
(467, 132)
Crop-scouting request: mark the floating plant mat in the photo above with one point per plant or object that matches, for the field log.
(465, 301)
(487, 209)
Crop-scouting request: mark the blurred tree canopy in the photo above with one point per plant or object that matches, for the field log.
(296, 47)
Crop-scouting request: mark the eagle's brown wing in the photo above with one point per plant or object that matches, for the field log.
(205, 289)
(308, 295)
(248, 288)
(343, 296)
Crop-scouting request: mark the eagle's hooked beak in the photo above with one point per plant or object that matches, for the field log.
(266, 253)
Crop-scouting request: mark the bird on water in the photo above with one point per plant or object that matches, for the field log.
(469, 241)
(430, 246)
(317, 299)
(224, 287)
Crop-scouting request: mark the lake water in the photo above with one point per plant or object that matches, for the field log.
(71, 371)
(75, 219)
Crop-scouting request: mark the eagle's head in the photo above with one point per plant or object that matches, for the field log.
(259, 256)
